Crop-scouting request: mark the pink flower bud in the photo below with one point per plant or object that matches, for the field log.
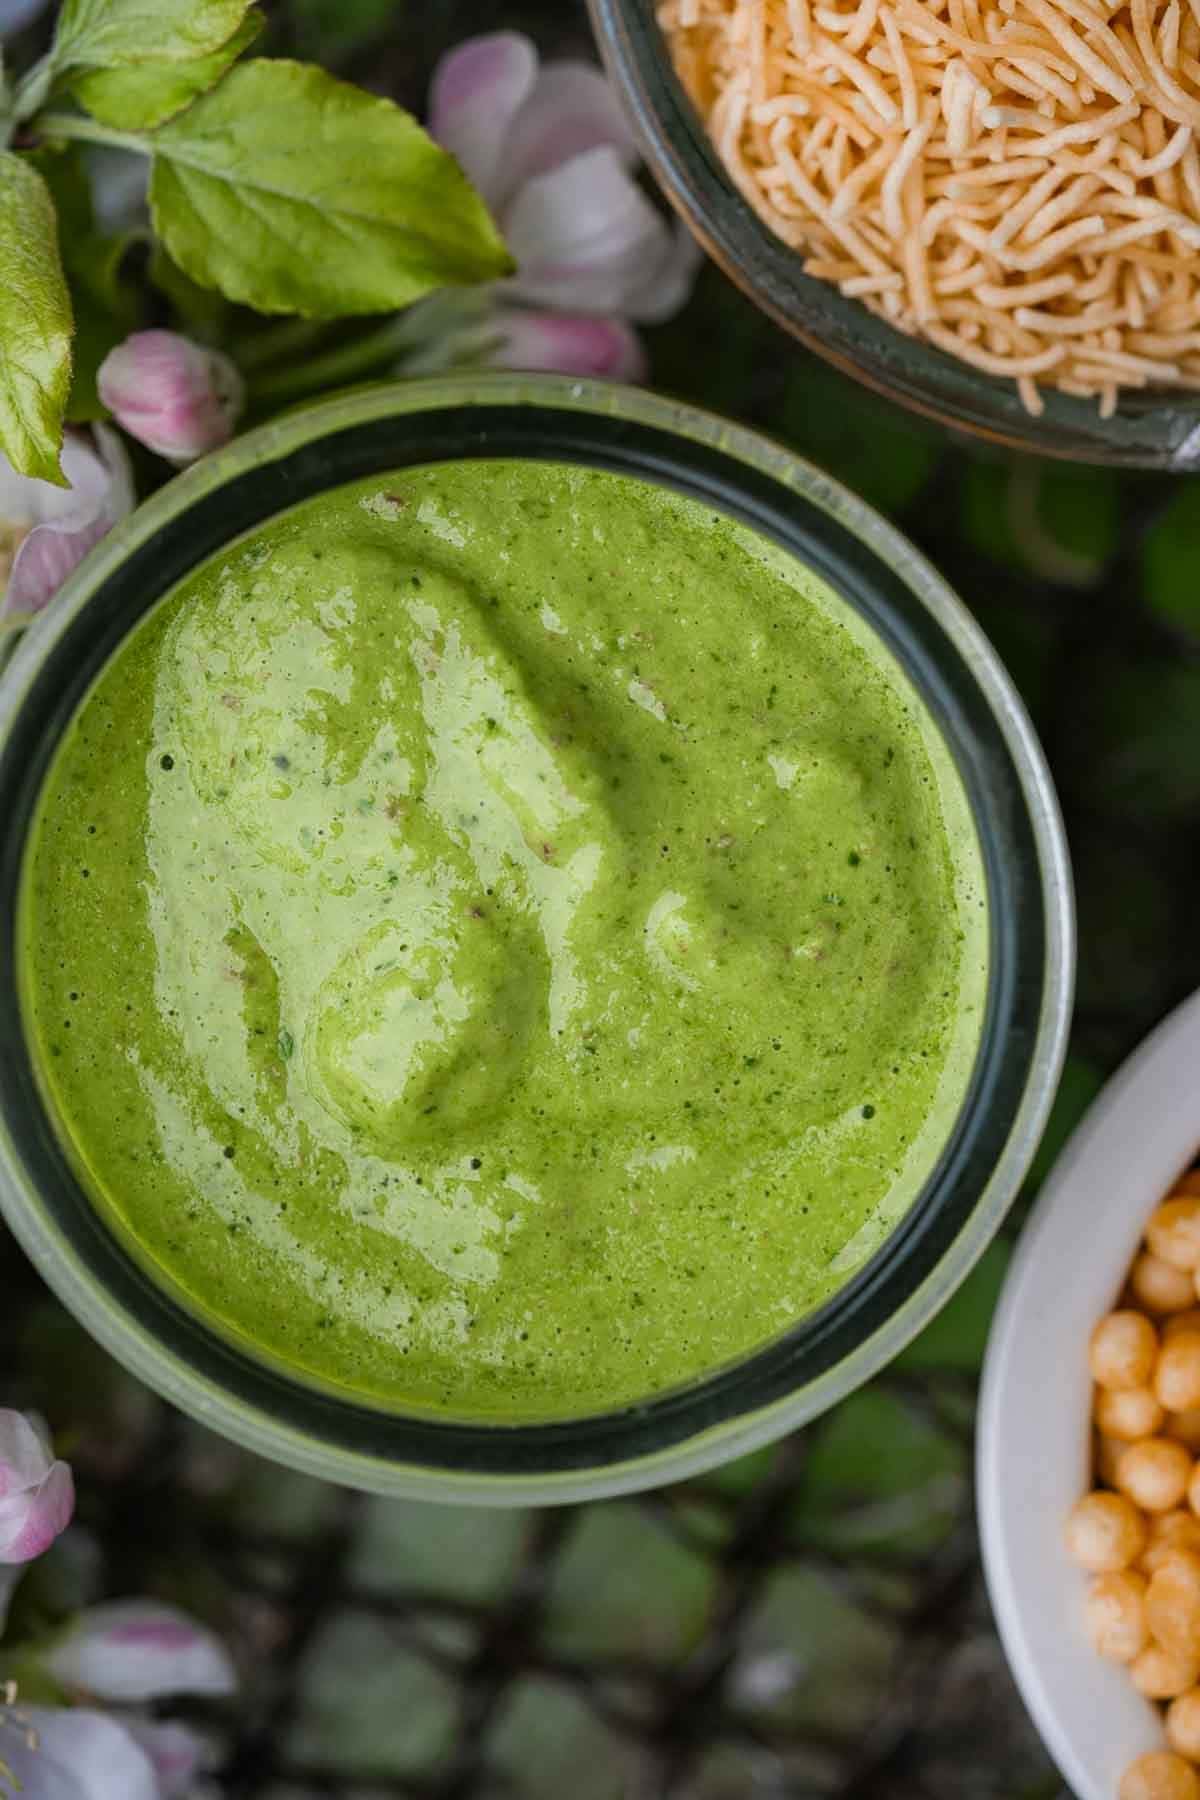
(37, 1494)
(174, 396)
(131, 1650)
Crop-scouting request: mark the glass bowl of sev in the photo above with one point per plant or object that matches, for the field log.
(1139, 422)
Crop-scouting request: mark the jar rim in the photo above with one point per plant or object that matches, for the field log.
(1012, 801)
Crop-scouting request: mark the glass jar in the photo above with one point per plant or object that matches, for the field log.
(1153, 430)
(185, 1356)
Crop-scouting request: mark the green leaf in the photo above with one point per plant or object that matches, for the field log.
(957, 1337)
(1171, 562)
(1062, 523)
(104, 303)
(103, 34)
(138, 96)
(199, 311)
(35, 324)
(877, 450)
(293, 192)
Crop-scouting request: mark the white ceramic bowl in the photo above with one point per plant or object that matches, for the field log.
(1033, 1431)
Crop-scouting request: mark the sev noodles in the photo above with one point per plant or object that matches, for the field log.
(1017, 181)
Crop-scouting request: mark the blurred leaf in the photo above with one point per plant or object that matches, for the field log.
(106, 306)
(1131, 961)
(625, 1585)
(550, 1743)
(136, 96)
(1171, 562)
(957, 1337)
(877, 450)
(327, 29)
(199, 311)
(1135, 738)
(1061, 522)
(1026, 636)
(1081, 1082)
(881, 1474)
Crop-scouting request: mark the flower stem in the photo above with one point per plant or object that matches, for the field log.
(74, 125)
(337, 368)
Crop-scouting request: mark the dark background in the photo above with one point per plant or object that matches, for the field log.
(811, 1621)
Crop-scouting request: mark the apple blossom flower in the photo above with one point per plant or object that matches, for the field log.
(37, 1493)
(124, 1653)
(177, 397)
(46, 530)
(552, 153)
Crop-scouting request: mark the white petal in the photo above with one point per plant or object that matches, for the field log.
(24, 1458)
(571, 110)
(122, 496)
(80, 1755)
(16, 14)
(569, 345)
(476, 92)
(586, 239)
(668, 282)
(176, 1751)
(138, 1650)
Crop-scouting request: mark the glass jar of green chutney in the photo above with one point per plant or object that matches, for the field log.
(662, 707)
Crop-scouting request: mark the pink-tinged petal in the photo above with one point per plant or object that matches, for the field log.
(476, 92)
(586, 239)
(51, 529)
(176, 397)
(177, 1752)
(72, 1753)
(30, 1521)
(44, 561)
(566, 344)
(140, 1650)
(24, 1458)
(571, 109)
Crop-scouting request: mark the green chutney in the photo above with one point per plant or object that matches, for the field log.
(502, 940)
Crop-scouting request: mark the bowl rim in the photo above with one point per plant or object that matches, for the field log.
(1155, 1083)
(308, 435)
(1150, 431)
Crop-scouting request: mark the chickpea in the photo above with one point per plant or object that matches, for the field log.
(1178, 1530)
(1116, 1615)
(1184, 1321)
(1105, 1532)
(1122, 1350)
(1194, 1492)
(1160, 1775)
(1184, 1427)
(1174, 1232)
(1160, 1287)
(1160, 1676)
(1155, 1474)
(1177, 1373)
(1128, 1413)
(1183, 1725)
(1109, 1452)
(1173, 1604)
(1187, 1184)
